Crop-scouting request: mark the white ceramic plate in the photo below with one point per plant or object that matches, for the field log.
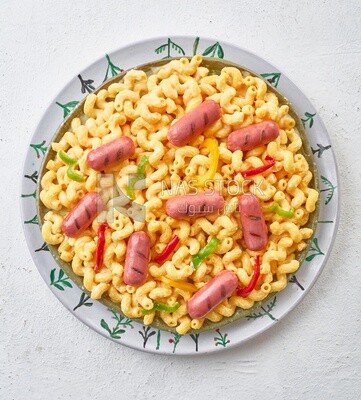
(121, 329)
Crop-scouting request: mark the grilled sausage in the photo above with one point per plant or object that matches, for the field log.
(194, 123)
(137, 259)
(199, 204)
(252, 136)
(212, 294)
(110, 153)
(253, 223)
(82, 215)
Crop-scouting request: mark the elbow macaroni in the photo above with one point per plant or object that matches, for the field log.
(143, 107)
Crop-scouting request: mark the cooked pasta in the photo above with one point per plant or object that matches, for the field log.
(143, 108)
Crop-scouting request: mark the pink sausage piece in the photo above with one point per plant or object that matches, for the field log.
(252, 136)
(212, 294)
(110, 153)
(253, 223)
(194, 123)
(137, 259)
(82, 215)
(197, 204)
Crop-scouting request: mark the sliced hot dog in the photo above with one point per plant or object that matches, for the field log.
(137, 259)
(212, 294)
(110, 153)
(253, 223)
(252, 136)
(82, 215)
(199, 204)
(194, 123)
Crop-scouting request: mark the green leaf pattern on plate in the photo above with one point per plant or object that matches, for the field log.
(158, 339)
(39, 148)
(215, 50)
(265, 310)
(61, 282)
(112, 69)
(168, 47)
(315, 248)
(221, 339)
(272, 77)
(308, 118)
(83, 301)
(68, 107)
(195, 45)
(116, 331)
(176, 338)
(29, 195)
(33, 220)
(330, 189)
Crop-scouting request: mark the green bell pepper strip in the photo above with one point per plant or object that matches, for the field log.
(143, 163)
(198, 258)
(74, 175)
(132, 181)
(71, 173)
(275, 207)
(161, 307)
(66, 159)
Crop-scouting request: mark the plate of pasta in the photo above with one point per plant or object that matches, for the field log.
(186, 197)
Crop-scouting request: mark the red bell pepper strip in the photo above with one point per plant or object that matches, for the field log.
(244, 292)
(250, 172)
(100, 247)
(168, 250)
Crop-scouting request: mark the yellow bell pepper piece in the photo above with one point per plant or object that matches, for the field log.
(188, 287)
(212, 146)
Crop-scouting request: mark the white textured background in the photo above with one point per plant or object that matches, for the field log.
(313, 353)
